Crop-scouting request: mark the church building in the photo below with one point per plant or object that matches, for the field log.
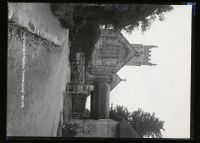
(111, 53)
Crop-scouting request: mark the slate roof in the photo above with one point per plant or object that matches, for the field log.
(116, 80)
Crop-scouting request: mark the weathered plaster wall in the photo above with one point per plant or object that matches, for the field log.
(37, 17)
(47, 71)
(46, 74)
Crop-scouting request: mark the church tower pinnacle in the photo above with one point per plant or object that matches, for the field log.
(142, 56)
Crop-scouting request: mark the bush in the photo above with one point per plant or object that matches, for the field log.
(84, 28)
(84, 39)
(64, 13)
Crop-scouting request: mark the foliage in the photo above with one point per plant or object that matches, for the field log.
(64, 13)
(123, 16)
(84, 40)
(118, 112)
(145, 124)
(86, 20)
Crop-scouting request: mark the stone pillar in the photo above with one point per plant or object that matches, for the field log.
(100, 101)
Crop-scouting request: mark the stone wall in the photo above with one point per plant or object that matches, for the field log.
(106, 128)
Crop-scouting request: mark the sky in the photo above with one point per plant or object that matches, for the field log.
(164, 88)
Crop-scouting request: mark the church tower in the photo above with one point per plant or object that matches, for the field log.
(142, 57)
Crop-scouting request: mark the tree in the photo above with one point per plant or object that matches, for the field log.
(145, 124)
(118, 112)
(123, 16)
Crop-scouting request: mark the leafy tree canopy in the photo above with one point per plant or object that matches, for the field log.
(123, 16)
(145, 124)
